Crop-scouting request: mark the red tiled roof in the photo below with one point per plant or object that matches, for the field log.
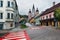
(31, 18)
(50, 9)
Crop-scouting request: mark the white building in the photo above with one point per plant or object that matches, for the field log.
(8, 14)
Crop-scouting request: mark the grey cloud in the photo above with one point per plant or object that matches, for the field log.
(25, 5)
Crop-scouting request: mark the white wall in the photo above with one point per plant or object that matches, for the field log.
(52, 16)
(7, 25)
(6, 10)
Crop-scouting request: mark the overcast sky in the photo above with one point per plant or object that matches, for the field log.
(25, 5)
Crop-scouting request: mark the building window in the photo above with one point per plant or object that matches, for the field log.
(8, 3)
(8, 15)
(1, 15)
(1, 26)
(11, 25)
(49, 16)
(46, 17)
(1, 3)
(12, 16)
(12, 4)
(43, 17)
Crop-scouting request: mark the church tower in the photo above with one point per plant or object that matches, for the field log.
(29, 14)
(37, 12)
(33, 11)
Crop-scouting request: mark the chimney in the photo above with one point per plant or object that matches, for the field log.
(53, 3)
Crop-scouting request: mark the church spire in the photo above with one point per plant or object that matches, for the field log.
(33, 10)
(33, 7)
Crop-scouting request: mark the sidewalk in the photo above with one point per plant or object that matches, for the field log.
(16, 29)
(10, 30)
(52, 27)
(4, 31)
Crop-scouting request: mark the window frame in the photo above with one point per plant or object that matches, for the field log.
(8, 15)
(11, 15)
(46, 17)
(12, 4)
(1, 15)
(8, 4)
(50, 16)
(1, 3)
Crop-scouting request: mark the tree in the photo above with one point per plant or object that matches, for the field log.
(23, 21)
(23, 16)
(57, 14)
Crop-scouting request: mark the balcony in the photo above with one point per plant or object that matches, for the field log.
(9, 20)
(10, 9)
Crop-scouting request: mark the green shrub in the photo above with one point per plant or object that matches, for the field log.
(23, 26)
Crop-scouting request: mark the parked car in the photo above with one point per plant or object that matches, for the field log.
(28, 24)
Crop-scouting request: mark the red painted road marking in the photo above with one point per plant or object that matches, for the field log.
(16, 36)
(28, 38)
(1, 38)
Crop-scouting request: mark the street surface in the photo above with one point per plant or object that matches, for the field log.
(40, 32)
(43, 33)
